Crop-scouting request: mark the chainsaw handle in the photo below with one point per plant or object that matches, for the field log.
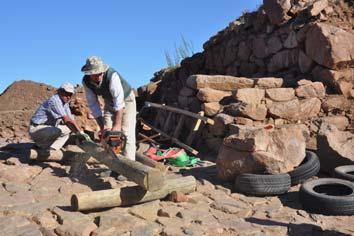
(107, 133)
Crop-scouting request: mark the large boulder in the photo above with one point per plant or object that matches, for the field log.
(280, 94)
(254, 150)
(247, 110)
(329, 45)
(231, 163)
(308, 89)
(269, 82)
(295, 109)
(211, 108)
(339, 81)
(219, 82)
(340, 122)
(335, 103)
(334, 147)
(263, 47)
(249, 95)
(221, 122)
(283, 60)
(212, 95)
(277, 10)
(317, 7)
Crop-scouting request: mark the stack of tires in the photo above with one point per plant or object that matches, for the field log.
(328, 196)
(265, 185)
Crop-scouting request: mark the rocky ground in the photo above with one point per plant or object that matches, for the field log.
(35, 200)
(275, 41)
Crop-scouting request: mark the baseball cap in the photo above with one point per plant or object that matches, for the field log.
(67, 87)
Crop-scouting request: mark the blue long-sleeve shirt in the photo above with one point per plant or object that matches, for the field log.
(51, 111)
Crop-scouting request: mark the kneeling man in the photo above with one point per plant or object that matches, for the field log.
(52, 123)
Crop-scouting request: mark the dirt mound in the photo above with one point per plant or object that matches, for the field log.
(20, 100)
(24, 95)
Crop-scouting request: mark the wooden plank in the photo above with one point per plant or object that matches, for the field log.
(174, 140)
(145, 176)
(180, 111)
(194, 131)
(130, 195)
(179, 126)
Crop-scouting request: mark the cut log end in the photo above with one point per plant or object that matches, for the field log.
(130, 195)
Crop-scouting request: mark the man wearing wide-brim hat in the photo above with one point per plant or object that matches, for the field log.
(52, 122)
(119, 113)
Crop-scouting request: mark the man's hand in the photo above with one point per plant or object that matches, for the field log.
(116, 128)
(83, 136)
(101, 135)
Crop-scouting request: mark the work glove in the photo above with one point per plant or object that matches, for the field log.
(83, 136)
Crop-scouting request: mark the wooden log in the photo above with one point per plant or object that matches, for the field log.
(130, 195)
(174, 140)
(148, 178)
(55, 156)
(180, 111)
(149, 162)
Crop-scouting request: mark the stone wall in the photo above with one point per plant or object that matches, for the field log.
(305, 47)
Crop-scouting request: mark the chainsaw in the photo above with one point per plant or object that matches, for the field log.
(115, 141)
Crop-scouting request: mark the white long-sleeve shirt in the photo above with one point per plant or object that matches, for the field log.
(116, 90)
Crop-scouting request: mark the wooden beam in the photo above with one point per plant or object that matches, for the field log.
(174, 140)
(148, 178)
(130, 195)
(180, 111)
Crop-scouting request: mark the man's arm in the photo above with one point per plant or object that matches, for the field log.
(71, 124)
(117, 123)
(63, 112)
(94, 105)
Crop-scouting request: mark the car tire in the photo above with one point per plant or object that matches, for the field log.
(262, 185)
(309, 167)
(345, 172)
(328, 196)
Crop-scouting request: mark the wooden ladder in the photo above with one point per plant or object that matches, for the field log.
(166, 130)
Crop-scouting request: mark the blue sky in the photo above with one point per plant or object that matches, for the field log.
(49, 41)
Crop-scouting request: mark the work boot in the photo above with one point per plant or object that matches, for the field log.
(78, 167)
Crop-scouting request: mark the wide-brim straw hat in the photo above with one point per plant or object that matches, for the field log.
(94, 65)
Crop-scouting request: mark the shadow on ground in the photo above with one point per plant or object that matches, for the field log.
(296, 229)
(90, 177)
(291, 200)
